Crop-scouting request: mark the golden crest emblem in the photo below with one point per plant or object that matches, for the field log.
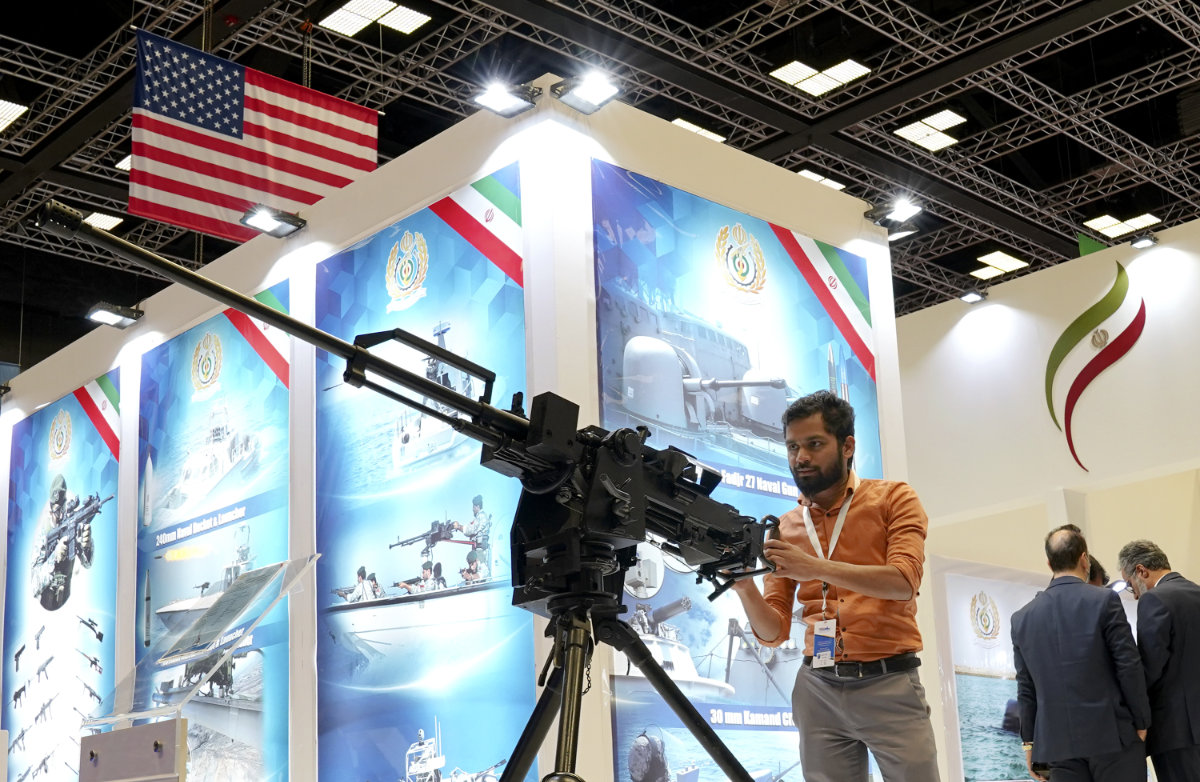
(407, 264)
(741, 258)
(206, 361)
(985, 616)
(60, 434)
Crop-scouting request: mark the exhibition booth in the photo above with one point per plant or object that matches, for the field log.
(656, 279)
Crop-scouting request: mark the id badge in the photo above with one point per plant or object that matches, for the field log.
(823, 643)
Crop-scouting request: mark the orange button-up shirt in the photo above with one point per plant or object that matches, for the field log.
(885, 525)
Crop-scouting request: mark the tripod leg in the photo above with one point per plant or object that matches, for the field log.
(621, 636)
(575, 639)
(536, 729)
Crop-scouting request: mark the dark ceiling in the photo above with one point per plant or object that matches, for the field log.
(1074, 109)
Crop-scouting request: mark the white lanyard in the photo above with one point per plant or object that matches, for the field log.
(833, 541)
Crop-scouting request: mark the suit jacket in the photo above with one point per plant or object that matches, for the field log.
(1080, 686)
(1169, 641)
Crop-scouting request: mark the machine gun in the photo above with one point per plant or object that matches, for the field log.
(72, 524)
(438, 532)
(89, 689)
(589, 496)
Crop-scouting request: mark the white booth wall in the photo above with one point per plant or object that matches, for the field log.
(554, 145)
(993, 469)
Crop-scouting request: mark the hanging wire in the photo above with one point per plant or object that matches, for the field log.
(206, 28)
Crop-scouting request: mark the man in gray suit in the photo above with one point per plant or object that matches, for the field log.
(1080, 686)
(1168, 618)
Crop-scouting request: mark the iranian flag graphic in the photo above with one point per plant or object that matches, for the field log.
(1093, 342)
(846, 302)
(487, 214)
(102, 403)
(271, 344)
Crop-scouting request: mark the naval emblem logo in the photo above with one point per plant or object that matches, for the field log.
(741, 258)
(985, 616)
(206, 361)
(60, 434)
(407, 263)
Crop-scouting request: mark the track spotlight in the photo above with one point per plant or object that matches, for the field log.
(899, 211)
(114, 315)
(1142, 241)
(587, 93)
(972, 296)
(508, 101)
(270, 220)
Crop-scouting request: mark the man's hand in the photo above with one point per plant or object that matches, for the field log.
(1029, 765)
(791, 561)
(85, 534)
(60, 550)
(1142, 735)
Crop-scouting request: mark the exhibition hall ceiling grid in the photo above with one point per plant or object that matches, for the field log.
(1026, 129)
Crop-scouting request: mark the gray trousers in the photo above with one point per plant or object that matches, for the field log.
(840, 719)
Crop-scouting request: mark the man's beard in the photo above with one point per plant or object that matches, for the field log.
(814, 484)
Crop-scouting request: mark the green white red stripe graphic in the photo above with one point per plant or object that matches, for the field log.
(270, 343)
(1111, 327)
(846, 303)
(488, 215)
(102, 405)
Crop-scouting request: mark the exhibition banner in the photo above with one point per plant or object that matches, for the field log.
(425, 669)
(60, 596)
(213, 505)
(709, 322)
(980, 609)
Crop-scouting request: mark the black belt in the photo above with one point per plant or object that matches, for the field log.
(853, 669)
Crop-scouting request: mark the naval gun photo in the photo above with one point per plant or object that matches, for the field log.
(589, 496)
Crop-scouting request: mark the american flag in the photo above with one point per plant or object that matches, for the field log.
(212, 138)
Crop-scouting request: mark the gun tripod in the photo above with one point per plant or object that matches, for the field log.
(572, 618)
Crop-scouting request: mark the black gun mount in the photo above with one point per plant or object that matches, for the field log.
(589, 497)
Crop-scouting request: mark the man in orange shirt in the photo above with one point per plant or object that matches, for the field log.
(852, 554)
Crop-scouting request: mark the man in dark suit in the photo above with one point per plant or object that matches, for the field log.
(1168, 618)
(1080, 686)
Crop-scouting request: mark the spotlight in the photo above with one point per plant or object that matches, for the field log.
(508, 101)
(586, 94)
(114, 315)
(973, 296)
(1142, 241)
(899, 211)
(270, 220)
(907, 228)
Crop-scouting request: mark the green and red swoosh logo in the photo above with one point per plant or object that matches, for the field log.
(1087, 327)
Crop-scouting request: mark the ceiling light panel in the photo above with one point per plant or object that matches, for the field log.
(1142, 221)
(794, 71)
(9, 112)
(944, 119)
(404, 20)
(818, 85)
(986, 273)
(1003, 261)
(1101, 222)
(936, 140)
(847, 71)
(102, 221)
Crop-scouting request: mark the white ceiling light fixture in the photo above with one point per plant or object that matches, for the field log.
(699, 131)
(357, 14)
(403, 20)
(986, 272)
(928, 133)
(1142, 241)
(824, 180)
(1112, 227)
(817, 83)
(973, 296)
(125, 163)
(1003, 261)
(9, 112)
(102, 221)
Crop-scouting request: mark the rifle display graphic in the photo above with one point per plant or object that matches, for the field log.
(589, 496)
(92, 625)
(70, 527)
(438, 531)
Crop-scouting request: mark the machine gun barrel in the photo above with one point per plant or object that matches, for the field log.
(487, 424)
